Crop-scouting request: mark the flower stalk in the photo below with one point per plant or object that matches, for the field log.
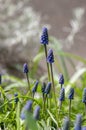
(52, 78)
(44, 40)
(26, 70)
(45, 47)
(28, 82)
(70, 97)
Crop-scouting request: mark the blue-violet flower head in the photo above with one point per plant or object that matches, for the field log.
(43, 87)
(48, 88)
(44, 37)
(78, 122)
(61, 79)
(36, 113)
(34, 89)
(62, 95)
(71, 94)
(25, 68)
(26, 108)
(66, 124)
(50, 57)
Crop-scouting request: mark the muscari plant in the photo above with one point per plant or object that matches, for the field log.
(34, 89)
(44, 40)
(70, 97)
(30, 113)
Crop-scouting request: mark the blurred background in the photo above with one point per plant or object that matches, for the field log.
(21, 23)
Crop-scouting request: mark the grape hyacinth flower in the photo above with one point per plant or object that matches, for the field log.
(70, 97)
(50, 60)
(44, 40)
(48, 88)
(50, 57)
(34, 89)
(61, 79)
(43, 88)
(71, 94)
(47, 91)
(66, 124)
(62, 95)
(61, 98)
(36, 113)
(16, 98)
(26, 70)
(26, 108)
(78, 122)
(44, 36)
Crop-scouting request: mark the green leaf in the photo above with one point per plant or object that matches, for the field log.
(79, 58)
(30, 122)
(18, 115)
(52, 117)
(74, 78)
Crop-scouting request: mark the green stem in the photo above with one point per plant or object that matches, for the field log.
(69, 108)
(47, 102)
(60, 105)
(33, 95)
(52, 78)
(28, 83)
(45, 96)
(53, 84)
(47, 62)
(50, 96)
(61, 86)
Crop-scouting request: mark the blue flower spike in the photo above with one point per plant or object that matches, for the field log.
(62, 95)
(71, 94)
(25, 68)
(34, 89)
(36, 113)
(48, 88)
(78, 122)
(50, 57)
(26, 108)
(66, 124)
(43, 87)
(44, 37)
(61, 79)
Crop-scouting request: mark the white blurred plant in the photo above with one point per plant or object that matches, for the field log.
(76, 25)
(18, 22)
